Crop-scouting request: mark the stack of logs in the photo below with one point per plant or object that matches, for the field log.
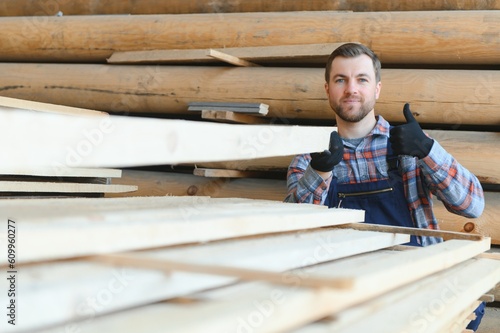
(441, 57)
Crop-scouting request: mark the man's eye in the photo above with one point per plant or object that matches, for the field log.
(339, 80)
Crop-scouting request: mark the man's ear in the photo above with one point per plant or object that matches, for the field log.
(377, 89)
(326, 89)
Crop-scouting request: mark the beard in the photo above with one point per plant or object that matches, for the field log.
(349, 114)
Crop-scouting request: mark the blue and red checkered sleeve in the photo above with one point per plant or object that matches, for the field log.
(458, 189)
(304, 184)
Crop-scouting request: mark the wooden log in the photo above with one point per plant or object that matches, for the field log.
(486, 224)
(460, 38)
(47, 139)
(437, 96)
(100, 7)
(232, 117)
(179, 184)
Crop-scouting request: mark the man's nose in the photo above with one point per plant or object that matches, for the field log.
(351, 87)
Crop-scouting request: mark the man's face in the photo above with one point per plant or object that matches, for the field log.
(352, 89)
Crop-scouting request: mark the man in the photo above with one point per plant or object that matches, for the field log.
(390, 172)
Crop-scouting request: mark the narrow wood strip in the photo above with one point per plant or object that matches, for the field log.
(138, 261)
(414, 231)
(488, 298)
(230, 59)
(47, 107)
(21, 186)
(60, 171)
(311, 53)
(232, 117)
(225, 173)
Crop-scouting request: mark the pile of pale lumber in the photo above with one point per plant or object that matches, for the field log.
(198, 264)
(53, 178)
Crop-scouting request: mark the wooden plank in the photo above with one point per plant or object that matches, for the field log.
(240, 107)
(61, 171)
(304, 53)
(47, 140)
(132, 228)
(95, 38)
(230, 59)
(62, 187)
(436, 96)
(232, 117)
(77, 284)
(224, 173)
(102, 7)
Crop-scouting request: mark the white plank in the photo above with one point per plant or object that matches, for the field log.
(60, 171)
(117, 141)
(76, 284)
(52, 187)
(62, 233)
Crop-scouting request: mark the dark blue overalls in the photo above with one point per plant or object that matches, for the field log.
(384, 202)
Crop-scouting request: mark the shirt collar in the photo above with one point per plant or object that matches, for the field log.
(381, 127)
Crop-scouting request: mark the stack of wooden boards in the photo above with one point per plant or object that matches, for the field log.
(442, 57)
(198, 264)
(53, 178)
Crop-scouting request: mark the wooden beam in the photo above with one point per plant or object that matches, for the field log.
(232, 117)
(95, 38)
(436, 96)
(304, 53)
(230, 59)
(47, 140)
(103, 7)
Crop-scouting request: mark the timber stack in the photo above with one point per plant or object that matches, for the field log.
(95, 92)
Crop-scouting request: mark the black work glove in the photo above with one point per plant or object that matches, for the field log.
(409, 139)
(328, 159)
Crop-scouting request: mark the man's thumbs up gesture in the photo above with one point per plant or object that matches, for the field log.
(409, 139)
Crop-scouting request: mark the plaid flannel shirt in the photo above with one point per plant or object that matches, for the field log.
(438, 173)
